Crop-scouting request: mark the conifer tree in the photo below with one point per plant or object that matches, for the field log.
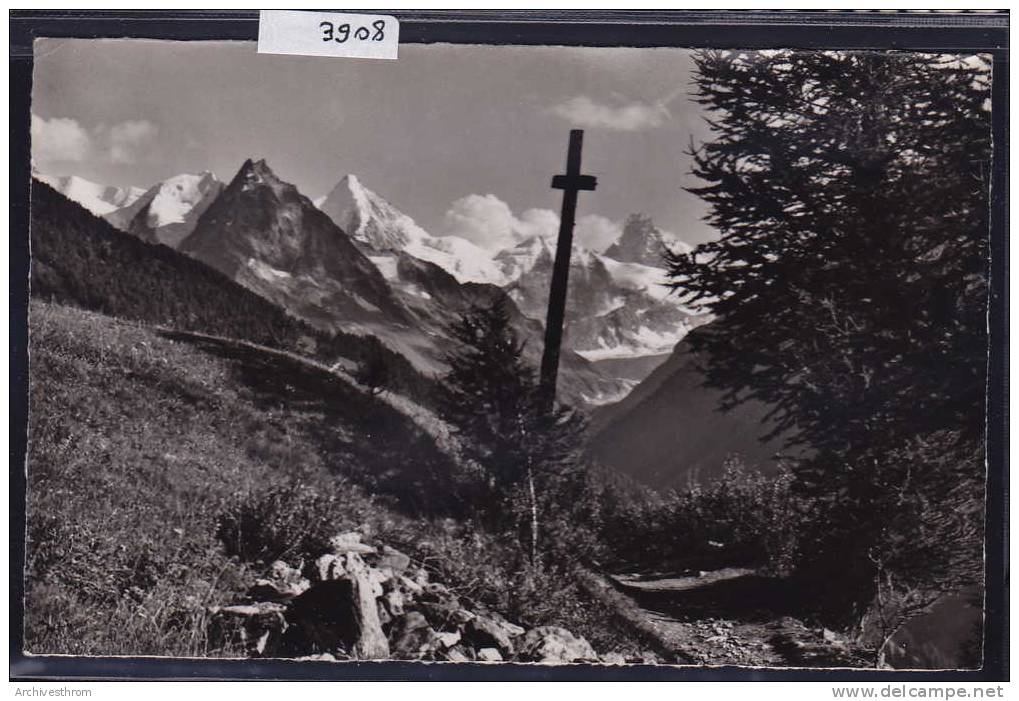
(491, 397)
(850, 283)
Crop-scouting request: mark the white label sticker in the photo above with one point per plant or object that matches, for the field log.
(337, 34)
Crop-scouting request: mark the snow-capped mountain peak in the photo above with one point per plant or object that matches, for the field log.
(177, 197)
(643, 242)
(369, 218)
(539, 252)
(96, 198)
(380, 228)
(169, 210)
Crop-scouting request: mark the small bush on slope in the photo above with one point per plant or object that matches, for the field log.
(745, 518)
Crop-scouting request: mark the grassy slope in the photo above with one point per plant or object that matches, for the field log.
(138, 442)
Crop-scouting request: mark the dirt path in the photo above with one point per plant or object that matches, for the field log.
(731, 617)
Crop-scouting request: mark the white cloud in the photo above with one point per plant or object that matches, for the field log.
(596, 232)
(487, 221)
(59, 139)
(128, 140)
(538, 222)
(582, 111)
(484, 220)
(64, 139)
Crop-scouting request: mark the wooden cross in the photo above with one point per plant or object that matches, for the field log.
(571, 183)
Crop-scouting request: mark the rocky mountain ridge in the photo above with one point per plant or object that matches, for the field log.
(355, 262)
(261, 232)
(168, 212)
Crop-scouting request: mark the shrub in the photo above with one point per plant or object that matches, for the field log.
(289, 521)
(744, 518)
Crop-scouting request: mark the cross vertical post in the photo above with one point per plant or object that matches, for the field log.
(571, 183)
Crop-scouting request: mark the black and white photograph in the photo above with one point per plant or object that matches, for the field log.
(532, 354)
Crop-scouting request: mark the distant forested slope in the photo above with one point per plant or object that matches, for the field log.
(80, 260)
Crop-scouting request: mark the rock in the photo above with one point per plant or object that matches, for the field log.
(327, 568)
(649, 657)
(449, 639)
(279, 590)
(511, 629)
(367, 588)
(481, 631)
(457, 654)
(323, 617)
(554, 644)
(257, 627)
(349, 542)
(613, 658)
(393, 601)
(376, 579)
(462, 617)
(280, 571)
(340, 614)
(433, 591)
(420, 576)
(395, 560)
(247, 610)
(489, 654)
(412, 620)
(412, 638)
(320, 657)
(440, 614)
(829, 635)
(410, 586)
(384, 617)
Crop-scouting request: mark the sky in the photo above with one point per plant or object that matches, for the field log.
(464, 139)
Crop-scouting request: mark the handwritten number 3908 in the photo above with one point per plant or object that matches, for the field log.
(340, 33)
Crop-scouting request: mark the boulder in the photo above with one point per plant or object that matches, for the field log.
(393, 559)
(554, 644)
(371, 642)
(512, 629)
(458, 653)
(433, 591)
(410, 586)
(411, 638)
(320, 657)
(449, 638)
(280, 571)
(267, 590)
(613, 658)
(384, 617)
(283, 583)
(349, 542)
(394, 602)
(420, 576)
(489, 654)
(258, 628)
(323, 617)
(340, 614)
(327, 568)
(441, 615)
(484, 632)
(462, 617)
